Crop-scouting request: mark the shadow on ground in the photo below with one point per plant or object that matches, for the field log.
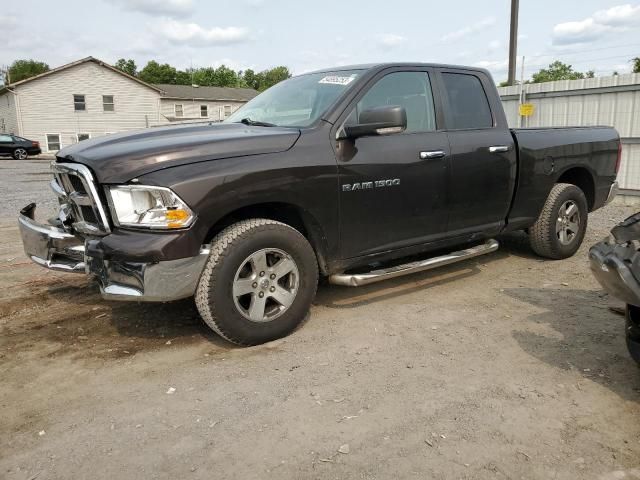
(590, 341)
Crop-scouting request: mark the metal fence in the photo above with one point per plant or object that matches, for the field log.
(613, 100)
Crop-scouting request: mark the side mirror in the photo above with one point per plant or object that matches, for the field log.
(378, 121)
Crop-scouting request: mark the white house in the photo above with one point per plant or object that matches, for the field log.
(90, 98)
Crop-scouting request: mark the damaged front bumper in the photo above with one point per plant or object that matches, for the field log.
(615, 261)
(56, 249)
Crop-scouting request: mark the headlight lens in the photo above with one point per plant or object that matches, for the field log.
(148, 207)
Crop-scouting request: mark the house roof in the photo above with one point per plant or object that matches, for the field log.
(188, 92)
(76, 63)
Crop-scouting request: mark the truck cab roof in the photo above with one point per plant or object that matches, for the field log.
(384, 65)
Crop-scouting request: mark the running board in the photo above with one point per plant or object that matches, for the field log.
(359, 279)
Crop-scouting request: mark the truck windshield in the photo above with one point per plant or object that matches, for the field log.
(297, 102)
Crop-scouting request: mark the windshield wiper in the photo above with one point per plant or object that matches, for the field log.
(256, 123)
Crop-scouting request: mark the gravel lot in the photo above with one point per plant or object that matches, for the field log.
(506, 366)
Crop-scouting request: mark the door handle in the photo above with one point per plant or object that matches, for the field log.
(499, 148)
(431, 154)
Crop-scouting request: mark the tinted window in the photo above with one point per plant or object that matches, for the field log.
(411, 90)
(468, 104)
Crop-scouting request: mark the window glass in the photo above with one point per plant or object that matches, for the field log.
(79, 103)
(411, 90)
(107, 103)
(298, 101)
(468, 104)
(227, 111)
(178, 110)
(53, 142)
(204, 111)
(83, 136)
(6, 139)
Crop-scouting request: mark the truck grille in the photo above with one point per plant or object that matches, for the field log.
(81, 207)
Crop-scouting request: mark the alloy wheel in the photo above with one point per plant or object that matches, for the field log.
(265, 285)
(568, 222)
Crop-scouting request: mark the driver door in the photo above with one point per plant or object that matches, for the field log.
(392, 188)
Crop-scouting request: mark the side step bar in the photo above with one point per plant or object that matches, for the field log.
(359, 279)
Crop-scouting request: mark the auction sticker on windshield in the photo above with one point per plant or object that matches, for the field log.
(337, 80)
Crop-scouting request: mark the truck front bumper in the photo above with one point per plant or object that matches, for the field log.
(52, 247)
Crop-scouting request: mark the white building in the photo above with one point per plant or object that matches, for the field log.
(90, 98)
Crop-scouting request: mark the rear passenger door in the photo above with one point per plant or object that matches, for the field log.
(483, 157)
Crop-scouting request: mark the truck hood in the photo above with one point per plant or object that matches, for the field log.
(119, 158)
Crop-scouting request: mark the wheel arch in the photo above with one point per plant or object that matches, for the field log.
(293, 215)
(582, 178)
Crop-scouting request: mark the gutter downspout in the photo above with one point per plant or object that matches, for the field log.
(18, 113)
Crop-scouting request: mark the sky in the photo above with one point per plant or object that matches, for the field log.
(597, 35)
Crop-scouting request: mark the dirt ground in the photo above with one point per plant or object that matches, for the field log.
(506, 366)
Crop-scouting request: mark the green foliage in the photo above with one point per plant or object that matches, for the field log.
(21, 69)
(127, 66)
(265, 79)
(636, 65)
(559, 71)
(216, 77)
(153, 72)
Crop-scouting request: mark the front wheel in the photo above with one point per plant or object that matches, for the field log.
(560, 228)
(20, 154)
(258, 283)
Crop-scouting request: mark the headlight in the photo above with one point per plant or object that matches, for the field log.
(148, 207)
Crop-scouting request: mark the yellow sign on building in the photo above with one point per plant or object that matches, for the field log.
(526, 109)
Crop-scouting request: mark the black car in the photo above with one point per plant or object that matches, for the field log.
(18, 147)
(615, 263)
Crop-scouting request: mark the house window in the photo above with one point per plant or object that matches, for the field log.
(178, 110)
(83, 136)
(204, 111)
(53, 142)
(227, 111)
(107, 103)
(79, 104)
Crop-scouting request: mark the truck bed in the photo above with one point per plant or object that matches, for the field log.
(555, 154)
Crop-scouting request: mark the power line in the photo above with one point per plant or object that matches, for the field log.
(581, 52)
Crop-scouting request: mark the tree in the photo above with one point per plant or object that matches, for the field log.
(222, 76)
(183, 77)
(21, 69)
(153, 72)
(249, 79)
(273, 76)
(127, 66)
(636, 65)
(559, 71)
(265, 79)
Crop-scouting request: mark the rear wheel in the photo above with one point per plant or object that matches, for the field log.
(560, 228)
(258, 283)
(20, 154)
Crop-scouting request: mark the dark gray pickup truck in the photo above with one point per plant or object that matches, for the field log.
(342, 173)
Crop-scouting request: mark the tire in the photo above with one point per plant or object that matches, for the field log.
(20, 154)
(632, 331)
(233, 268)
(546, 237)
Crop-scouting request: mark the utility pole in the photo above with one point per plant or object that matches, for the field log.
(513, 42)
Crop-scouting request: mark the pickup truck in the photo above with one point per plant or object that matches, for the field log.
(341, 173)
